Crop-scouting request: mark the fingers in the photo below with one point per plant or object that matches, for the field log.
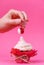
(21, 14)
(23, 24)
(16, 12)
(25, 16)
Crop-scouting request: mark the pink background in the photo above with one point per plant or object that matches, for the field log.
(34, 32)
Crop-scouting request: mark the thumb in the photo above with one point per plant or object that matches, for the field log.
(14, 22)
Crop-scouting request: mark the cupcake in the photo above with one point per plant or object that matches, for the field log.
(23, 51)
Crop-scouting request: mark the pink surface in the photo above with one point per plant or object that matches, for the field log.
(34, 32)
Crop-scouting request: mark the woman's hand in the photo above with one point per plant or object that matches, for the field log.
(13, 19)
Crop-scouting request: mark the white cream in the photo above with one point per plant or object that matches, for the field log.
(22, 45)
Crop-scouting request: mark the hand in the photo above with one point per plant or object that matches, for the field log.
(13, 19)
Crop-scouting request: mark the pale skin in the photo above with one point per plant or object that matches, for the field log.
(12, 19)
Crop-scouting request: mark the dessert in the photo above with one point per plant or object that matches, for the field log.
(23, 51)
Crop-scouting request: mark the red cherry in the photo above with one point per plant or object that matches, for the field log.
(22, 30)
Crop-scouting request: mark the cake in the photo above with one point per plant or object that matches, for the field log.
(23, 51)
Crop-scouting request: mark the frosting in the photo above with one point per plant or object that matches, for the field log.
(22, 45)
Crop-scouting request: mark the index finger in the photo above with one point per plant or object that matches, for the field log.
(16, 12)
